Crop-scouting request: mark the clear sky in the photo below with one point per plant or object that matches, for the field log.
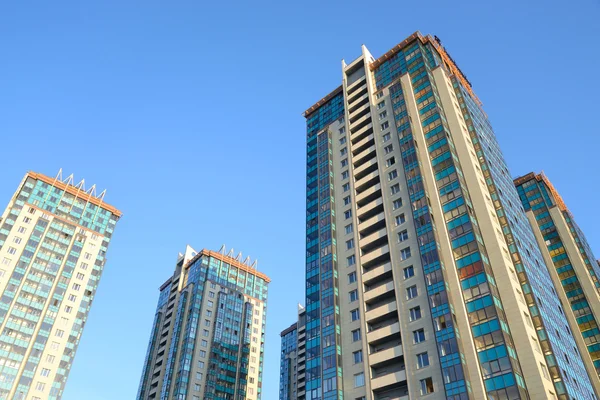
(189, 113)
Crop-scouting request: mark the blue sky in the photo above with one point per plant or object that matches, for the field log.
(189, 113)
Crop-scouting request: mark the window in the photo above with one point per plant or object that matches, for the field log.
(210, 303)
(352, 277)
(395, 189)
(418, 336)
(208, 313)
(83, 266)
(196, 387)
(12, 250)
(405, 253)
(204, 343)
(422, 360)
(381, 105)
(50, 358)
(59, 333)
(342, 130)
(21, 229)
(207, 322)
(76, 286)
(545, 371)
(202, 353)
(346, 187)
(392, 175)
(357, 356)
(17, 240)
(68, 309)
(348, 229)
(349, 244)
(344, 151)
(379, 95)
(344, 162)
(348, 214)
(387, 137)
(385, 125)
(80, 276)
(383, 115)
(356, 335)
(199, 376)
(45, 372)
(40, 386)
(343, 140)
(72, 297)
(415, 313)
(388, 149)
(27, 220)
(402, 236)
(397, 204)
(390, 161)
(211, 295)
(411, 292)
(351, 260)
(354, 315)
(54, 346)
(409, 272)
(6, 261)
(426, 386)
(353, 295)
(205, 333)
(359, 380)
(87, 256)
(400, 219)
(346, 200)
(345, 175)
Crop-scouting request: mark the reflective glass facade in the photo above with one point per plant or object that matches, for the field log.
(539, 198)
(207, 340)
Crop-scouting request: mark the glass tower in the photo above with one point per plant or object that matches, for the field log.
(570, 260)
(421, 266)
(207, 339)
(54, 235)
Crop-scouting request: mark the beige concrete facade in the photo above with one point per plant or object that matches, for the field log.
(45, 375)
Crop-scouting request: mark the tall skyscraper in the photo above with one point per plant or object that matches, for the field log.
(423, 276)
(207, 339)
(571, 262)
(54, 235)
(293, 356)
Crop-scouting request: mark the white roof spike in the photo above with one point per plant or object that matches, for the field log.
(254, 264)
(222, 250)
(239, 256)
(69, 180)
(92, 190)
(59, 175)
(101, 195)
(230, 254)
(247, 260)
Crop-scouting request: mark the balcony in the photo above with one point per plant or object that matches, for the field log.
(362, 132)
(361, 107)
(371, 221)
(360, 123)
(375, 256)
(351, 88)
(364, 156)
(385, 355)
(366, 182)
(356, 93)
(379, 291)
(361, 145)
(364, 197)
(377, 272)
(384, 381)
(381, 311)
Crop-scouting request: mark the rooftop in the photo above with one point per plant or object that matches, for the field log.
(77, 190)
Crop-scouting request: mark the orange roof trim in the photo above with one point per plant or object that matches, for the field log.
(229, 260)
(74, 191)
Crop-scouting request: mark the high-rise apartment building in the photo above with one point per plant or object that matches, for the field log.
(293, 356)
(207, 339)
(423, 276)
(570, 260)
(54, 235)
